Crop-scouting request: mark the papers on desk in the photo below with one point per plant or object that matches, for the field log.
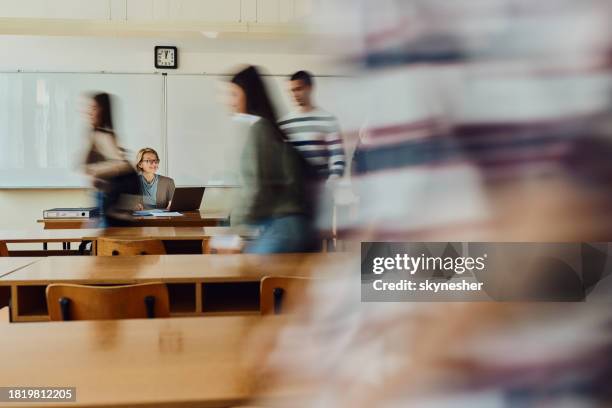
(156, 213)
(143, 213)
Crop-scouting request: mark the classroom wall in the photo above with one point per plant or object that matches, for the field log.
(21, 208)
(265, 11)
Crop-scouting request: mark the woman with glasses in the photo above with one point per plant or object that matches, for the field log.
(157, 191)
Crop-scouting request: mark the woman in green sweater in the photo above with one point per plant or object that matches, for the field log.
(275, 179)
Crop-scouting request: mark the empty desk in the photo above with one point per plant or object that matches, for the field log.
(190, 362)
(197, 284)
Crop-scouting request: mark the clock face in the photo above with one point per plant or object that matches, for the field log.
(166, 57)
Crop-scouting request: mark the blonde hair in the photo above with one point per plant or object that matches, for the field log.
(140, 156)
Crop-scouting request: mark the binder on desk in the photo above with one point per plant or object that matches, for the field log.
(85, 212)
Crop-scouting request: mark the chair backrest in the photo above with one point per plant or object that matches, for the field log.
(281, 294)
(117, 247)
(3, 249)
(81, 302)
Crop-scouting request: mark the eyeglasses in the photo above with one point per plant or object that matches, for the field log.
(151, 161)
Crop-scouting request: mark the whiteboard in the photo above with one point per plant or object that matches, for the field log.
(203, 143)
(43, 127)
(183, 117)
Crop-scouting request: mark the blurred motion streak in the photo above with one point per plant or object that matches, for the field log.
(483, 121)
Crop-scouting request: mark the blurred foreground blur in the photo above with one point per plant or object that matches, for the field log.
(485, 121)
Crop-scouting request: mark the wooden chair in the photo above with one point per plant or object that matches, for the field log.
(117, 247)
(3, 249)
(281, 294)
(80, 302)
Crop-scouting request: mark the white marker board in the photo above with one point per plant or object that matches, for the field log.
(43, 125)
(43, 128)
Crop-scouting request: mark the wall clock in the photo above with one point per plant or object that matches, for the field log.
(166, 57)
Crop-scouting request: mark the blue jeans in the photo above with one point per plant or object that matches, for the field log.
(291, 233)
(99, 196)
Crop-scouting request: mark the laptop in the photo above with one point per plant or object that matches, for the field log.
(186, 199)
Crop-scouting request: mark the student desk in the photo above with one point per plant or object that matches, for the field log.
(189, 219)
(190, 362)
(78, 235)
(198, 285)
(8, 265)
(38, 235)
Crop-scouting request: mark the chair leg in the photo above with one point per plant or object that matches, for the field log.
(150, 305)
(278, 300)
(83, 247)
(65, 308)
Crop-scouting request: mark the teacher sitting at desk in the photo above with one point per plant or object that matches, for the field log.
(156, 190)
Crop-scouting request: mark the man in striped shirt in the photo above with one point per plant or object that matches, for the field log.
(312, 131)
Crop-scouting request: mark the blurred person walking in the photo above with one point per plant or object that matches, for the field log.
(274, 195)
(113, 176)
(315, 133)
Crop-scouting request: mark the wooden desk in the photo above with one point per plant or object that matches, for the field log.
(41, 236)
(190, 362)
(8, 265)
(198, 285)
(164, 233)
(78, 235)
(189, 219)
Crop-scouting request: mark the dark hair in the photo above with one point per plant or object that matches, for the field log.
(303, 76)
(103, 100)
(257, 100)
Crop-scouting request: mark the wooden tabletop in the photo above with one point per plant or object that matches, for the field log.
(8, 265)
(74, 235)
(168, 268)
(186, 362)
(166, 233)
(33, 235)
(190, 218)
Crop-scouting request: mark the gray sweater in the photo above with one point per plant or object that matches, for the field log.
(272, 183)
(165, 191)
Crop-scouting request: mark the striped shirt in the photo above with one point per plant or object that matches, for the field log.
(316, 135)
